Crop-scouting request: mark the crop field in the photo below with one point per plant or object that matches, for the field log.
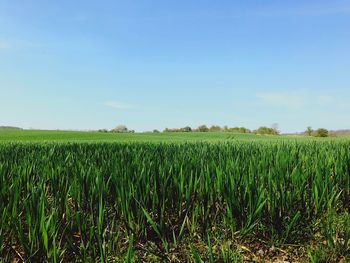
(81, 136)
(215, 197)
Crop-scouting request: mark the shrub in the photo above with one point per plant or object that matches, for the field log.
(321, 132)
(203, 128)
(265, 130)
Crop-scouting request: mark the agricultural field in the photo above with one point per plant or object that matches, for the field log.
(196, 197)
(82, 136)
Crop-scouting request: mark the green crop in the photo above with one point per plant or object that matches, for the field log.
(106, 201)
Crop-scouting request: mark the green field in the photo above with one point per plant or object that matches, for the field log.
(173, 197)
(81, 136)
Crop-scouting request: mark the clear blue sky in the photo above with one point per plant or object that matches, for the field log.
(155, 64)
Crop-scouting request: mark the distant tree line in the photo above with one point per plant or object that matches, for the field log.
(205, 128)
(216, 128)
(202, 128)
(118, 129)
(321, 132)
(9, 128)
(184, 129)
(266, 130)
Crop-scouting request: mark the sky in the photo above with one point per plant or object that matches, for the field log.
(87, 64)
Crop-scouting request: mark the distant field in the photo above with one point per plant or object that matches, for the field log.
(78, 136)
(82, 136)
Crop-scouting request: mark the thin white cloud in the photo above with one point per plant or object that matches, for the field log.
(282, 99)
(118, 105)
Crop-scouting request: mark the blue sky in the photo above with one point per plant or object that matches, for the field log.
(156, 64)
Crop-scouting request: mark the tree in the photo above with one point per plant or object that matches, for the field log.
(309, 131)
(156, 131)
(215, 128)
(243, 130)
(120, 129)
(186, 129)
(238, 130)
(203, 128)
(266, 130)
(321, 132)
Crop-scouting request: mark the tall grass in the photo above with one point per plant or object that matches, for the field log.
(102, 202)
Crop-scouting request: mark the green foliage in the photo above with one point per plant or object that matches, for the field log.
(78, 136)
(237, 130)
(319, 255)
(266, 131)
(321, 133)
(105, 201)
(184, 129)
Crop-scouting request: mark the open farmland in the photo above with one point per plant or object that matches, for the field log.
(81, 136)
(42, 136)
(215, 197)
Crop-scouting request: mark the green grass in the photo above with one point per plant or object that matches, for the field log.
(82, 136)
(78, 136)
(89, 197)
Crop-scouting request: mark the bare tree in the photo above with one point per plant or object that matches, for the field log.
(203, 128)
(309, 131)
